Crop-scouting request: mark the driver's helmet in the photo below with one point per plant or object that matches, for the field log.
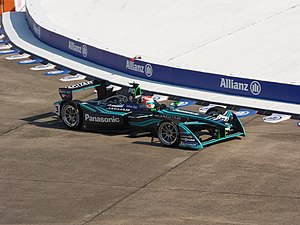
(148, 101)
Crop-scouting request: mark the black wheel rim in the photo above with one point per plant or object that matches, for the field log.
(70, 116)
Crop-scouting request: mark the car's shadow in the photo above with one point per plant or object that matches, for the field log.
(49, 120)
(45, 120)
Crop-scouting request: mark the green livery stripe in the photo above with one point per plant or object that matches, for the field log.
(191, 133)
(192, 116)
(224, 138)
(104, 111)
(165, 112)
(87, 107)
(206, 118)
(145, 123)
(194, 123)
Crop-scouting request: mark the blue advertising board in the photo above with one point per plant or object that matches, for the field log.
(57, 72)
(169, 75)
(4, 41)
(30, 61)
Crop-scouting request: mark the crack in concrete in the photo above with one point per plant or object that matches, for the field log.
(43, 113)
(225, 193)
(12, 129)
(64, 182)
(145, 186)
(139, 189)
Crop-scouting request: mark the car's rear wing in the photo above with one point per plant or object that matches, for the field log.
(66, 93)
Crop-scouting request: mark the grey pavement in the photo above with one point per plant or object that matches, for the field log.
(51, 175)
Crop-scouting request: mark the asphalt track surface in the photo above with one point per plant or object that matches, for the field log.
(51, 175)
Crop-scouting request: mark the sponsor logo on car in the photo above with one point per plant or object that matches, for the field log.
(187, 112)
(190, 144)
(133, 66)
(187, 138)
(132, 106)
(82, 84)
(115, 108)
(100, 119)
(167, 117)
(79, 49)
(254, 87)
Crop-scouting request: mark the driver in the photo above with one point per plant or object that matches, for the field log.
(148, 102)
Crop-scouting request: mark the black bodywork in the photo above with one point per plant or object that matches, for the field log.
(123, 110)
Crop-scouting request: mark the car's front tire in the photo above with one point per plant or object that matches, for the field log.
(168, 134)
(71, 115)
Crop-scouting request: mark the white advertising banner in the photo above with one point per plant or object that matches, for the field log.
(20, 5)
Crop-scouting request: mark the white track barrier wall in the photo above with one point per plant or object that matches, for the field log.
(155, 72)
(121, 71)
(20, 5)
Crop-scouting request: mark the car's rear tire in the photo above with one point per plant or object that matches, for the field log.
(71, 115)
(215, 111)
(168, 134)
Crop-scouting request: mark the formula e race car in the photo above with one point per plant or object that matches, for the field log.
(129, 109)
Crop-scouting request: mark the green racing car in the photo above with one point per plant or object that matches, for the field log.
(130, 109)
